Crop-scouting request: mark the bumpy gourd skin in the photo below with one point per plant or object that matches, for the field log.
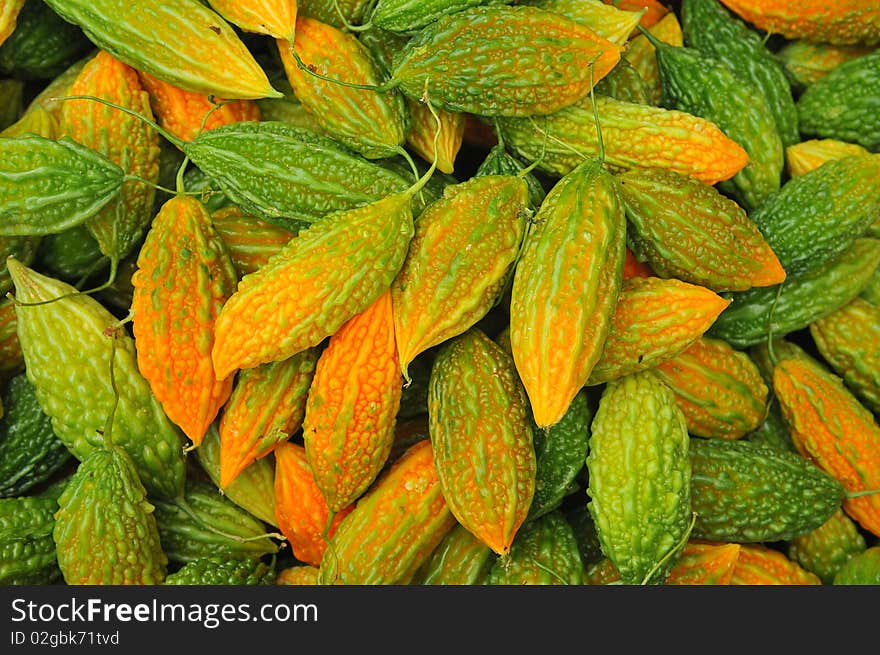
(558, 320)
(412, 15)
(105, 530)
(688, 230)
(266, 407)
(280, 172)
(373, 124)
(801, 300)
(719, 389)
(207, 56)
(807, 155)
(47, 186)
(29, 450)
(640, 477)
(184, 275)
(328, 11)
(67, 355)
(806, 62)
(861, 569)
(844, 104)
(840, 22)
(743, 492)
(186, 537)
(545, 552)
(634, 135)
(183, 113)
(250, 241)
(124, 139)
(704, 563)
(758, 564)
(826, 549)
(832, 429)
(654, 320)
(545, 58)
(270, 17)
(460, 559)
(560, 452)
(348, 429)
(848, 340)
(711, 29)
(301, 511)
(709, 88)
(306, 292)
(459, 259)
(815, 217)
(223, 571)
(482, 438)
(394, 527)
(27, 549)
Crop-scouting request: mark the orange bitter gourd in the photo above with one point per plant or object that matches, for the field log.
(374, 124)
(320, 279)
(122, 138)
(704, 563)
(654, 9)
(634, 135)
(394, 527)
(759, 564)
(300, 509)
(689, 230)
(461, 255)
(849, 340)
(654, 319)
(565, 288)
(105, 528)
(826, 549)
(298, 575)
(640, 477)
(719, 389)
(420, 135)
(482, 438)
(266, 407)
(67, 358)
(270, 17)
(348, 429)
(842, 22)
(183, 277)
(182, 112)
(547, 59)
(250, 241)
(833, 430)
(207, 57)
(632, 267)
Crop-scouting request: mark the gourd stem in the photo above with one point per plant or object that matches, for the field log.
(165, 133)
(380, 88)
(114, 267)
(349, 26)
